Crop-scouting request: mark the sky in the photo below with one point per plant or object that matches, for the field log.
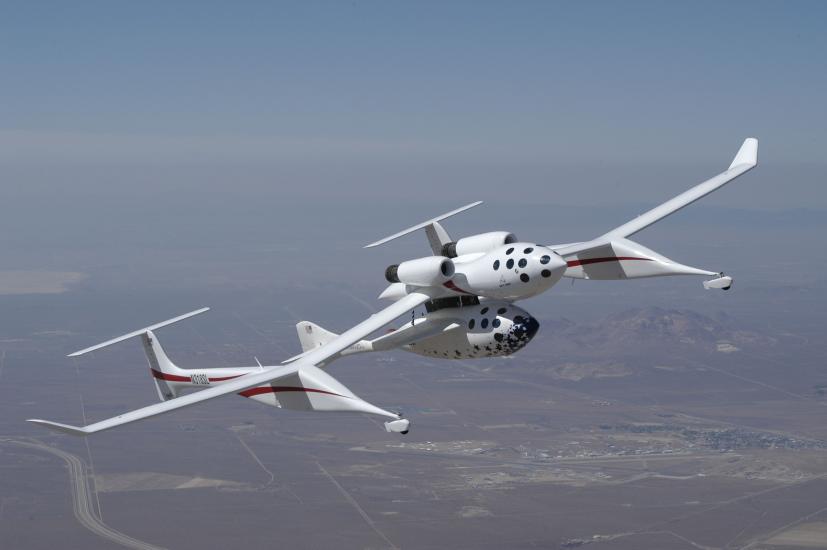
(299, 122)
(482, 81)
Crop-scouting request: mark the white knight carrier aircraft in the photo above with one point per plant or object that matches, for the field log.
(468, 287)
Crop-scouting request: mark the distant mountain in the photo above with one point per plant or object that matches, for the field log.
(622, 343)
(675, 326)
(656, 327)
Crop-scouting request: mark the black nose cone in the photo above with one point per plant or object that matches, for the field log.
(530, 327)
(525, 328)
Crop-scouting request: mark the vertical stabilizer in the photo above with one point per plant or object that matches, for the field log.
(164, 371)
(312, 336)
(437, 237)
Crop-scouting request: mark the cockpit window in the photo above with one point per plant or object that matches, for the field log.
(528, 250)
(510, 263)
(496, 265)
(509, 251)
(522, 262)
(545, 259)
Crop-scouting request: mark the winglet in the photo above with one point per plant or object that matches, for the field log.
(747, 154)
(58, 427)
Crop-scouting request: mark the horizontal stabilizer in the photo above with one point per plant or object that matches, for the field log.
(424, 224)
(139, 332)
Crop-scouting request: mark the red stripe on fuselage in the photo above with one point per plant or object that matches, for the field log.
(587, 261)
(246, 393)
(169, 377)
(223, 378)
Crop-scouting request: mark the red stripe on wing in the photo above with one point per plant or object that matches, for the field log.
(587, 261)
(277, 389)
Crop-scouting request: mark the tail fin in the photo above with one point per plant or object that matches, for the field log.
(312, 335)
(163, 370)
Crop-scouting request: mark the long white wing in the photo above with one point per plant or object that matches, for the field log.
(371, 324)
(744, 161)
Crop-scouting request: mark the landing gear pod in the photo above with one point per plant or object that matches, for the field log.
(724, 282)
(399, 426)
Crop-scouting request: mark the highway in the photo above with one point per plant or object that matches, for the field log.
(82, 495)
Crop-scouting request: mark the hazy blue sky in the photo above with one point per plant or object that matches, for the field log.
(558, 103)
(513, 80)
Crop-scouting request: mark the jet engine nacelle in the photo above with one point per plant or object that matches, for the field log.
(482, 243)
(430, 271)
(492, 328)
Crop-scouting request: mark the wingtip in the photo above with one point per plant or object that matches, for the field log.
(747, 154)
(58, 427)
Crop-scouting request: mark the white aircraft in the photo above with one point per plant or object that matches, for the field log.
(468, 287)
